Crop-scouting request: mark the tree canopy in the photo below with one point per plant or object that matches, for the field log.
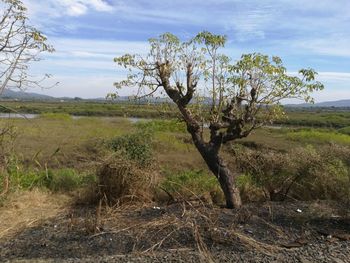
(20, 44)
(244, 95)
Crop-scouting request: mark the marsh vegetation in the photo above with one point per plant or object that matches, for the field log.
(121, 166)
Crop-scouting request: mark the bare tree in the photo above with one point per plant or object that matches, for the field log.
(244, 95)
(20, 44)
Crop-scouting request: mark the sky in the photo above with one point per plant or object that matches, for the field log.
(88, 34)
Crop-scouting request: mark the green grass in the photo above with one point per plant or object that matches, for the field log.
(327, 118)
(345, 130)
(56, 116)
(56, 180)
(84, 108)
(318, 136)
(40, 138)
(172, 125)
(191, 183)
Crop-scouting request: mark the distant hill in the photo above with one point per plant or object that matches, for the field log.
(21, 95)
(337, 104)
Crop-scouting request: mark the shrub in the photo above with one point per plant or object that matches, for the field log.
(121, 180)
(249, 191)
(303, 173)
(135, 147)
(267, 170)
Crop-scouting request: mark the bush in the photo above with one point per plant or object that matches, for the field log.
(303, 173)
(121, 180)
(267, 170)
(135, 147)
(249, 190)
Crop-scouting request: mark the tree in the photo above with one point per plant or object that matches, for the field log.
(20, 44)
(244, 95)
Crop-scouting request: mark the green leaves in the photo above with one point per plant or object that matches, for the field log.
(20, 44)
(243, 95)
(210, 39)
(262, 83)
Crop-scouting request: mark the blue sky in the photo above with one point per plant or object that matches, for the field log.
(88, 34)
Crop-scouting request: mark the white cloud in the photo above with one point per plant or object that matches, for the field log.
(99, 46)
(75, 8)
(58, 8)
(90, 86)
(330, 77)
(75, 86)
(86, 58)
(302, 31)
(334, 76)
(331, 94)
(81, 7)
(99, 5)
(334, 45)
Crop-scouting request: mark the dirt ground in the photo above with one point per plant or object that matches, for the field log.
(38, 227)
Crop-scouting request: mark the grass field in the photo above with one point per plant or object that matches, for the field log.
(67, 182)
(82, 108)
(57, 142)
(60, 152)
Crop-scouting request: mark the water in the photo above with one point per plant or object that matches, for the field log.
(18, 116)
(131, 119)
(33, 116)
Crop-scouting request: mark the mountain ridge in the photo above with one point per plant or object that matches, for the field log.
(22, 95)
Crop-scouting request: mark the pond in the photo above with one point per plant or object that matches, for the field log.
(18, 116)
(33, 116)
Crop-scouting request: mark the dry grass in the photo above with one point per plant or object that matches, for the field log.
(27, 209)
(121, 180)
(38, 139)
(187, 225)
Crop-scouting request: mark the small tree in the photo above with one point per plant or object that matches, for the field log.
(244, 95)
(20, 44)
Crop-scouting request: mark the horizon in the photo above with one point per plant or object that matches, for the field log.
(88, 34)
(3, 96)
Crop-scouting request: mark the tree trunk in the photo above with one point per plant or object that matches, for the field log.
(225, 177)
(216, 165)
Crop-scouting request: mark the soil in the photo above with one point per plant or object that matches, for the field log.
(186, 232)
